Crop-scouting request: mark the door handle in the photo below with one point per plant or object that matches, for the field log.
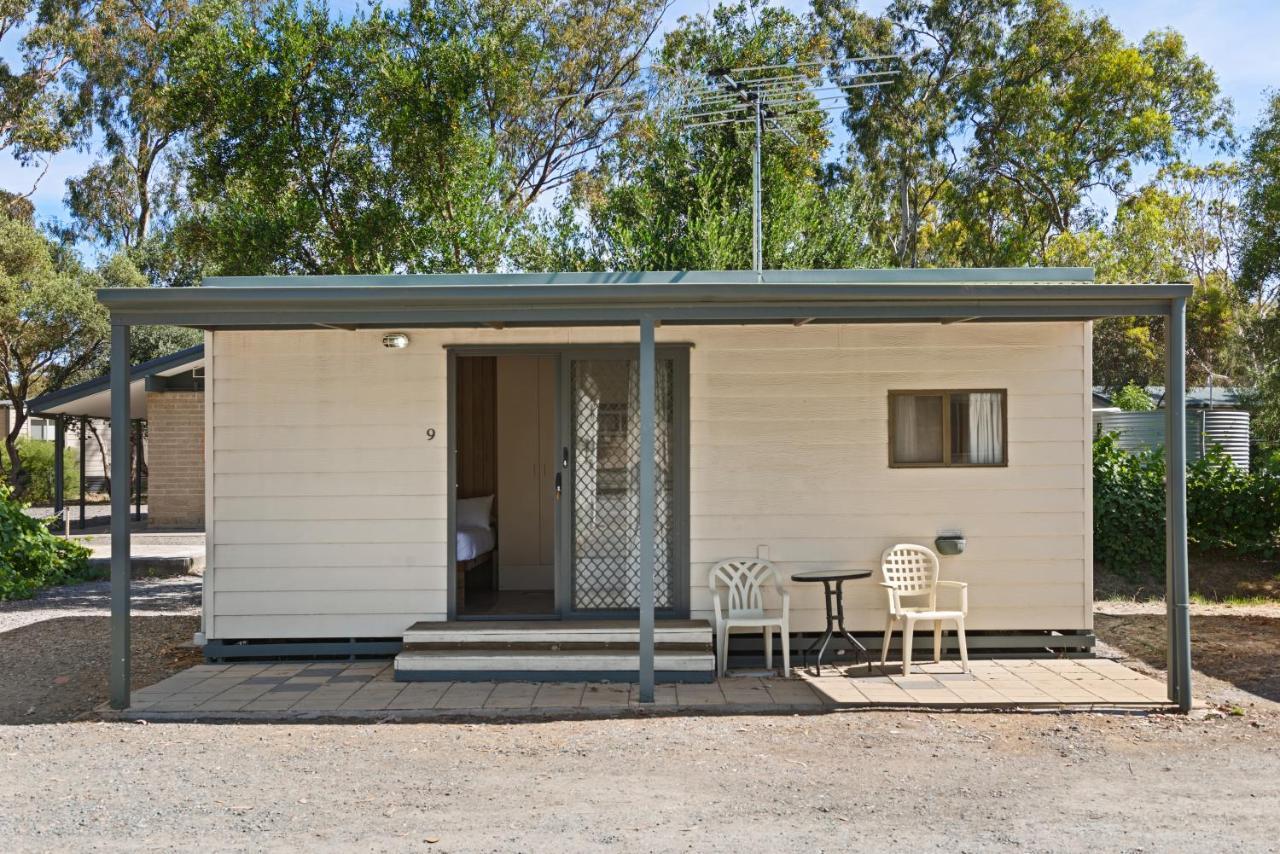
(564, 458)
(558, 486)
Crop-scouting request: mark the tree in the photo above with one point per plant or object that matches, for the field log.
(907, 133)
(1260, 263)
(123, 67)
(1133, 398)
(38, 111)
(411, 141)
(670, 196)
(51, 324)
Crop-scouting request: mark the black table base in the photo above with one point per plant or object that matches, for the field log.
(832, 588)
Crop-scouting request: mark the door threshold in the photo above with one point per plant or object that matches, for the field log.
(485, 618)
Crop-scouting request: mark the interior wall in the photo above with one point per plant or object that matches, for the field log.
(477, 423)
(526, 402)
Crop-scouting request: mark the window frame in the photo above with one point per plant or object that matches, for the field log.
(946, 394)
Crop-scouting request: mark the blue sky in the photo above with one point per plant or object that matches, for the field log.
(1236, 37)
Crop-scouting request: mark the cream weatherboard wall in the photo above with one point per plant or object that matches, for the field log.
(327, 499)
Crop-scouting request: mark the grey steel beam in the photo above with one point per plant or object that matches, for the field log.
(369, 312)
(120, 664)
(1178, 582)
(648, 499)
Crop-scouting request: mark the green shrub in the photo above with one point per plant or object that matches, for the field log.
(1133, 398)
(30, 556)
(1233, 510)
(38, 458)
(1228, 509)
(1128, 507)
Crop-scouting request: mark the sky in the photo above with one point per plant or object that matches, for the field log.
(1236, 37)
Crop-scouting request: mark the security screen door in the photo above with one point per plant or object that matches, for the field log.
(603, 463)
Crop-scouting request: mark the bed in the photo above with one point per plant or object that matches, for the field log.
(476, 542)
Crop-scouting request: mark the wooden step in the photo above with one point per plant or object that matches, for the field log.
(684, 635)
(475, 665)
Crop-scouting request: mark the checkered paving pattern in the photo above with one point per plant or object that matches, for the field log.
(298, 689)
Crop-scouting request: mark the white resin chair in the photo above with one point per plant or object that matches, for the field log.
(911, 572)
(744, 580)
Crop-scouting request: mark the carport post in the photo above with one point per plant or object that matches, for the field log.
(1178, 585)
(648, 497)
(59, 468)
(84, 430)
(137, 470)
(120, 516)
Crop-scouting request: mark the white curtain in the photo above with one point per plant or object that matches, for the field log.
(906, 437)
(986, 428)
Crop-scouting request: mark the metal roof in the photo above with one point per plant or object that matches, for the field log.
(553, 299)
(93, 397)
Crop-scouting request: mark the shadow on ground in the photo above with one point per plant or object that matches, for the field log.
(56, 670)
(1236, 648)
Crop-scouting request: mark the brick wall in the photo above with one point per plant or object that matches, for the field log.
(175, 459)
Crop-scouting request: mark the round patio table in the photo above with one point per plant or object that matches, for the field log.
(832, 581)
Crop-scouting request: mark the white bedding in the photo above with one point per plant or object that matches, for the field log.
(474, 542)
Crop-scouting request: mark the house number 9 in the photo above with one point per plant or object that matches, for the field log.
(431, 433)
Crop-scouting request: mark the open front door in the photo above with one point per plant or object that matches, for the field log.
(599, 554)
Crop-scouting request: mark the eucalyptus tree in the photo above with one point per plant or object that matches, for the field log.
(408, 140)
(39, 113)
(670, 194)
(1260, 261)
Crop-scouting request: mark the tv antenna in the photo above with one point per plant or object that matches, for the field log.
(772, 99)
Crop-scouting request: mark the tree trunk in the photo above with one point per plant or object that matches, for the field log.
(18, 477)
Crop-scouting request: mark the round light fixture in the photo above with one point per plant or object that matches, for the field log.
(395, 340)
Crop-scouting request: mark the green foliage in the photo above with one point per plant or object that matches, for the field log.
(665, 198)
(38, 460)
(1133, 398)
(1231, 509)
(30, 556)
(51, 324)
(1228, 509)
(1260, 267)
(1128, 508)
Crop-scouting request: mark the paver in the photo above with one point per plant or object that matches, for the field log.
(338, 687)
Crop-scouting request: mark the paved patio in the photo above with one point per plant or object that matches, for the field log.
(365, 689)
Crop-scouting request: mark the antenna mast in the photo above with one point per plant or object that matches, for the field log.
(771, 98)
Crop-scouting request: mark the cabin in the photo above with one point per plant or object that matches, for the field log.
(530, 475)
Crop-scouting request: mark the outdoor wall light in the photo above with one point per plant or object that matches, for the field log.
(395, 340)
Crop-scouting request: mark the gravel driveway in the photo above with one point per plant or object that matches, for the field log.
(179, 595)
(862, 781)
(54, 648)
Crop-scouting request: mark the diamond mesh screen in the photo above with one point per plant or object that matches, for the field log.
(606, 505)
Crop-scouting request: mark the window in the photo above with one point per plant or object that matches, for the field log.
(948, 428)
(42, 428)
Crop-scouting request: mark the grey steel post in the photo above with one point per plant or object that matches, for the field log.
(757, 233)
(137, 470)
(120, 516)
(84, 430)
(648, 497)
(59, 466)
(1179, 607)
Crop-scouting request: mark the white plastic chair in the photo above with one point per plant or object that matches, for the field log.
(745, 579)
(911, 572)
